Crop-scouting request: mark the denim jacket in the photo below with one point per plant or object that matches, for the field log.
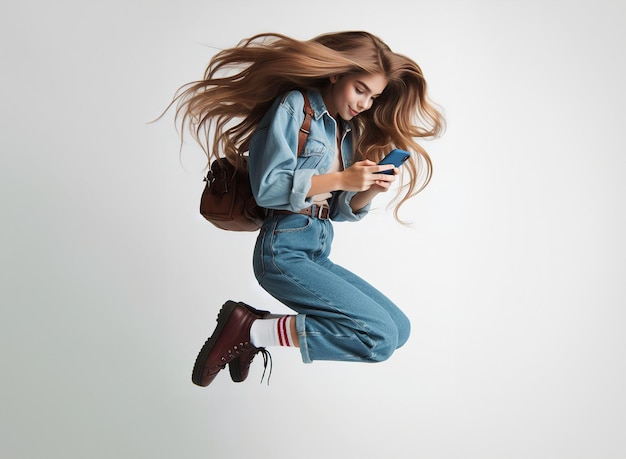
(280, 179)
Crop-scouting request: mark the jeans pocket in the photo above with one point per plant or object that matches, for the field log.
(292, 223)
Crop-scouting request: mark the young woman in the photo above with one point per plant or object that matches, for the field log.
(366, 100)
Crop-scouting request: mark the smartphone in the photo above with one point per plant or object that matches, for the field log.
(396, 157)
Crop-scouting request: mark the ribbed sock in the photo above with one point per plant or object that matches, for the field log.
(272, 332)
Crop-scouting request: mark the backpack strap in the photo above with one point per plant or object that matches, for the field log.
(306, 124)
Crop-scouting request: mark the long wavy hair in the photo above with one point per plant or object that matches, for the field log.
(222, 110)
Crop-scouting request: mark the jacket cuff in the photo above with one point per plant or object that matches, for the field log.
(343, 211)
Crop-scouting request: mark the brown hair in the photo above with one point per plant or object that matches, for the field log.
(221, 111)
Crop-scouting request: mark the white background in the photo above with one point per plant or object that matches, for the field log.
(513, 273)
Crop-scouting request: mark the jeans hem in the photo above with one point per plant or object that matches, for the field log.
(304, 346)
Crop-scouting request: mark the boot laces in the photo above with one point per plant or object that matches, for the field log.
(267, 360)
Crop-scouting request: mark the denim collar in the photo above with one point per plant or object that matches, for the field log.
(319, 107)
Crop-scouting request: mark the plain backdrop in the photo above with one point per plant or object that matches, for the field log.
(513, 271)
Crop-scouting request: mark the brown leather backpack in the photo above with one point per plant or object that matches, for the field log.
(227, 199)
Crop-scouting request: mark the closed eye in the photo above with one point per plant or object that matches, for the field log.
(363, 88)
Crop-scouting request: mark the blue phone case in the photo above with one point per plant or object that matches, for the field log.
(396, 157)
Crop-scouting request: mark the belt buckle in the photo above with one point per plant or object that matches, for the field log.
(321, 212)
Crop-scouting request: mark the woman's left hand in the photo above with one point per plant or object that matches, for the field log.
(383, 183)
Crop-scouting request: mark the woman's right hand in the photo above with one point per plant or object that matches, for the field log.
(362, 175)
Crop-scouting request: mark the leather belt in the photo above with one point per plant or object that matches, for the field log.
(321, 212)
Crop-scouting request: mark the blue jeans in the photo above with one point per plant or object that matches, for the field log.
(340, 316)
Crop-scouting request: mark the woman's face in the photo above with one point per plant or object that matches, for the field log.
(349, 95)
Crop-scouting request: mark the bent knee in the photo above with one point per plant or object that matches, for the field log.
(383, 347)
(386, 343)
(404, 331)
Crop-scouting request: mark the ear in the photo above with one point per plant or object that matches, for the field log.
(334, 78)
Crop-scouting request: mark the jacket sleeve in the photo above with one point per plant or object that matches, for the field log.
(341, 211)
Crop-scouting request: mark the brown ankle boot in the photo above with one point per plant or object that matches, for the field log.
(230, 340)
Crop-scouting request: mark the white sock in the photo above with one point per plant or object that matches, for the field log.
(272, 332)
